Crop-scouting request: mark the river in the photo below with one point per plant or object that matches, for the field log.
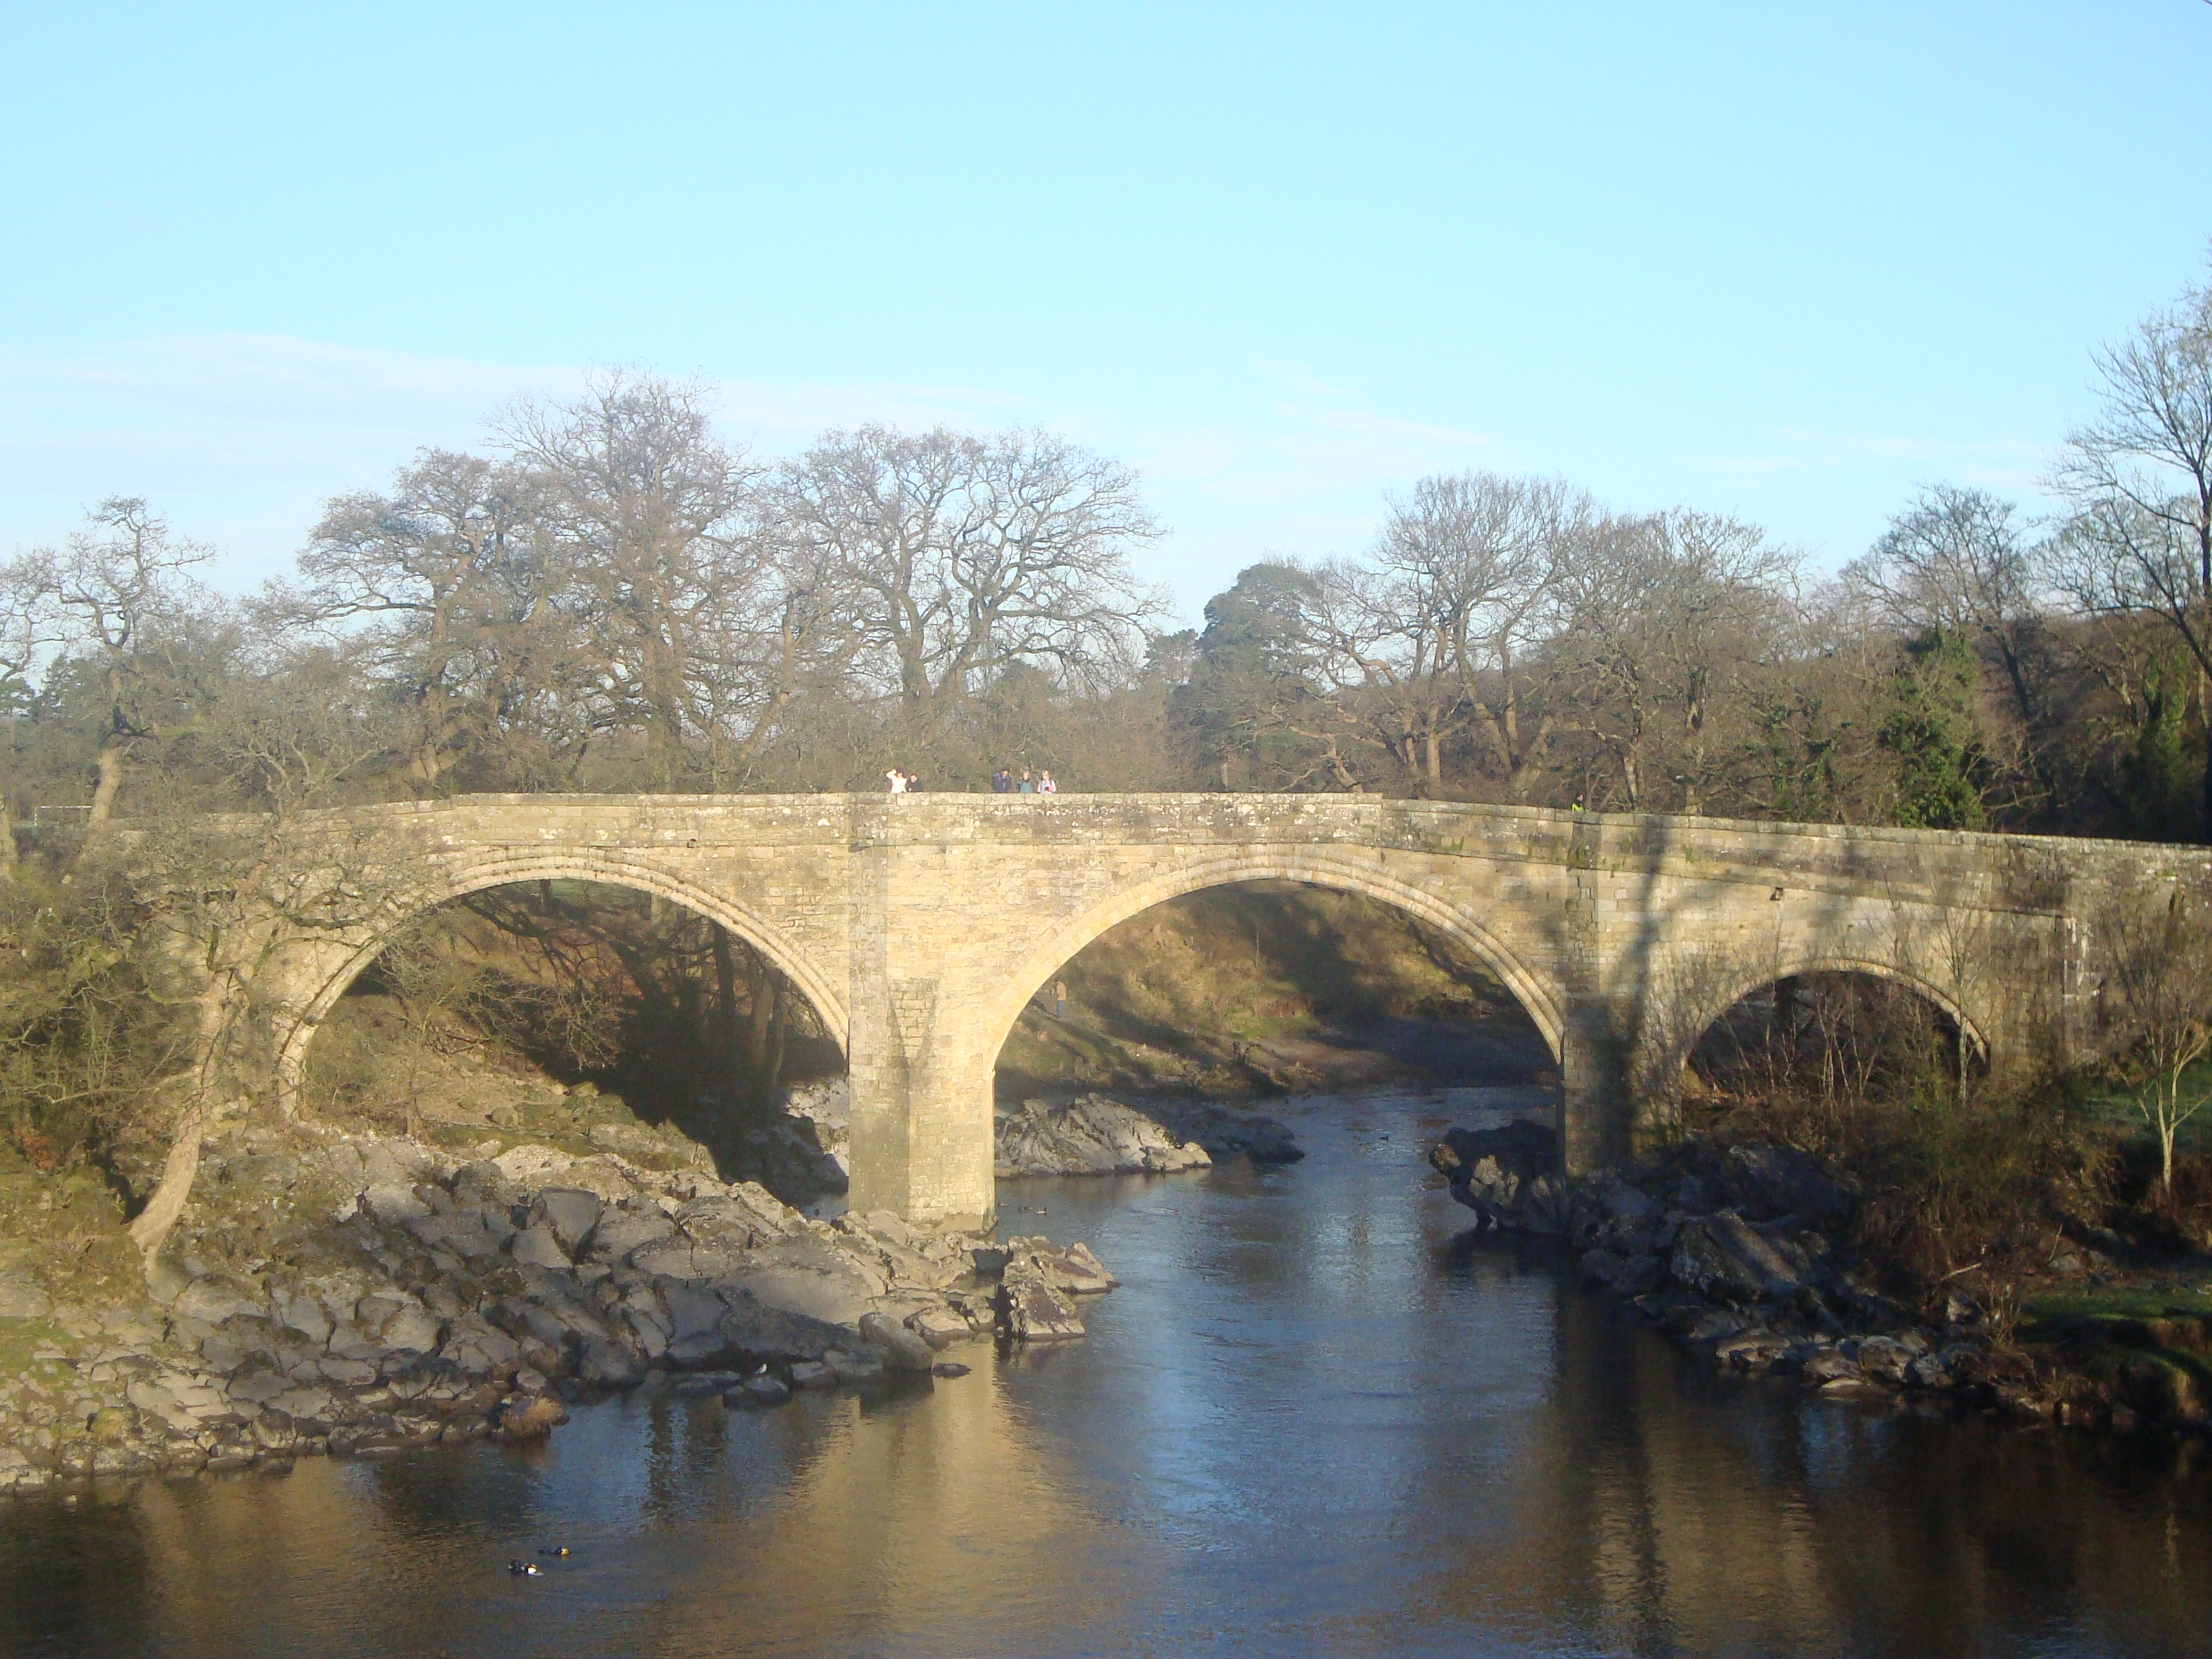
(1318, 1417)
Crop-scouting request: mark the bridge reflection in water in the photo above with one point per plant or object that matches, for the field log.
(1316, 1419)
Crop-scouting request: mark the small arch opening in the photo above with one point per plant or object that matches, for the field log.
(1801, 1052)
(586, 1014)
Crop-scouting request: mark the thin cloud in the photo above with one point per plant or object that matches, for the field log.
(241, 438)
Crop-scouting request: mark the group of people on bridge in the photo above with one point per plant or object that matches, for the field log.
(1004, 781)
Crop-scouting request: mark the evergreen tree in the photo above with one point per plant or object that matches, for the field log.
(1931, 734)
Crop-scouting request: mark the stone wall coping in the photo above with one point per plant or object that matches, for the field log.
(1050, 815)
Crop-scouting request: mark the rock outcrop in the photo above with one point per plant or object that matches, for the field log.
(367, 1295)
(1226, 1134)
(1741, 1253)
(1089, 1135)
(1508, 1176)
(1093, 1135)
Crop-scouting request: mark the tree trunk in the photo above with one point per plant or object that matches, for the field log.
(7, 840)
(763, 1033)
(2204, 704)
(726, 1001)
(111, 757)
(167, 1202)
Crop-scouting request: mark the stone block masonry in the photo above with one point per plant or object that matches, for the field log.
(920, 925)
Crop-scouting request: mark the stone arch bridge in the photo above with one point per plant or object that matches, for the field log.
(921, 926)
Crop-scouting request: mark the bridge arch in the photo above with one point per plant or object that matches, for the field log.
(608, 869)
(1537, 997)
(1711, 1009)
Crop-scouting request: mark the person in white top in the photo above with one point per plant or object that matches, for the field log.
(898, 780)
(1046, 786)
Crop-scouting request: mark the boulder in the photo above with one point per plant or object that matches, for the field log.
(903, 1349)
(758, 1390)
(1090, 1135)
(938, 1326)
(1624, 1275)
(656, 1148)
(1030, 1310)
(756, 1334)
(413, 1329)
(853, 1368)
(1070, 1271)
(626, 1229)
(20, 1299)
(1509, 1176)
(302, 1313)
(1756, 1351)
(1832, 1369)
(1225, 1135)
(1884, 1359)
(1779, 1181)
(803, 1275)
(537, 1246)
(694, 1326)
(609, 1364)
(214, 1298)
(478, 1347)
(1724, 1257)
(394, 1203)
(569, 1214)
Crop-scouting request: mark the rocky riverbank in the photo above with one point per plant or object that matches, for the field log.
(1094, 1135)
(334, 1295)
(1742, 1254)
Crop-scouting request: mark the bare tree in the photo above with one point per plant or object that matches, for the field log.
(26, 625)
(1483, 556)
(2159, 953)
(962, 555)
(125, 600)
(1434, 628)
(2140, 477)
(440, 591)
(1664, 614)
(1959, 560)
(651, 517)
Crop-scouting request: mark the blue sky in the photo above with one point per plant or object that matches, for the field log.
(1788, 261)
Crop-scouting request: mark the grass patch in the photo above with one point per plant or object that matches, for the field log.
(2072, 1306)
(2121, 1113)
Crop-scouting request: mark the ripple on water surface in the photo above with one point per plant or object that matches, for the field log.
(1319, 1417)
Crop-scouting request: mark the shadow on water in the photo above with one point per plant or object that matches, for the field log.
(1320, 1416)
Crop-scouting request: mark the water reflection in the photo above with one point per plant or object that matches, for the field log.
(1317, 1418)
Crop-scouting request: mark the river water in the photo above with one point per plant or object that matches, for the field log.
(1319, 1417)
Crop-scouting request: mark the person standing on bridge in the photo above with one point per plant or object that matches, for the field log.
(1026, 788)
(1002, 781)
(897, 779)
(1046, 786)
